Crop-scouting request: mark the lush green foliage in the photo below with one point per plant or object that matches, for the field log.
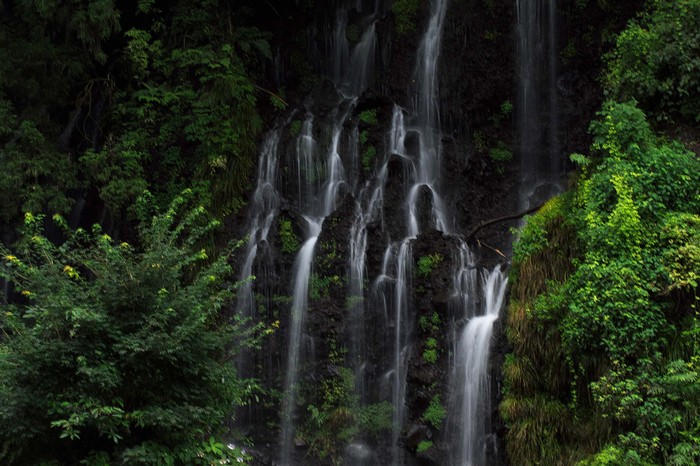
(607, 275)
(119, 352)
(424, 446)
(95, 95)
(369, 117)
(657, 60)
(368, 121)
(620, 311)
(368, 156)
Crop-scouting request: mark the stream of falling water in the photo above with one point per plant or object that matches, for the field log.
(537, 111)
(470, 376)
(317, 167)
(351, 71)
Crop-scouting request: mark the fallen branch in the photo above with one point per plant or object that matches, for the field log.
(481, 243)
(272, 94)
(481, 225)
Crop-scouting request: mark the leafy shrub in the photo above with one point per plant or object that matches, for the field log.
(424, 446)
(621, 313)
(341, 419)
(368, 156)
(430, 354)
(117, 348)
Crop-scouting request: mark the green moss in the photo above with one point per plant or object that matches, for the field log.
(319, 286)
(430, 355)
(424, 446)
(295, 128)
(501, 153)
(426, 264)
(479, 141)
(368, 156)
(290, 242)
(435, 413)
(369, 117)
(405, 15)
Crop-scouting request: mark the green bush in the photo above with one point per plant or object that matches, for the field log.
(368, 156)
(369, 117)
(290, 242)
(424, 446)
(118, 350)
(621, 313)
(340, 419)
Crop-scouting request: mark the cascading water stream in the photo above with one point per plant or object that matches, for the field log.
(537, 112)
(264, 208)
(316, 201)
(427, 124)
(302, 272)
(425, 173)
(389, 290)
(358, 250)
(470, 377)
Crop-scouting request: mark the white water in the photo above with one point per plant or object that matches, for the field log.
(425, 172)
(427, 124)
(364, 214)
(470, 376)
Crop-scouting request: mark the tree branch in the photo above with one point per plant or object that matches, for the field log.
(481, 225)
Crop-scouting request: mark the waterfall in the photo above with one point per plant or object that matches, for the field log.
(537, 112)
(427, 126)
(470, 395)
(322, 166)
(264, 206)
(319, 185)
(391, 290)
(302, 272)
(358, 252)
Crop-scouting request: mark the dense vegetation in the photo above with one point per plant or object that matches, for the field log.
(604, 316)
(119, 353)
(98, 99)
(115, 352)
